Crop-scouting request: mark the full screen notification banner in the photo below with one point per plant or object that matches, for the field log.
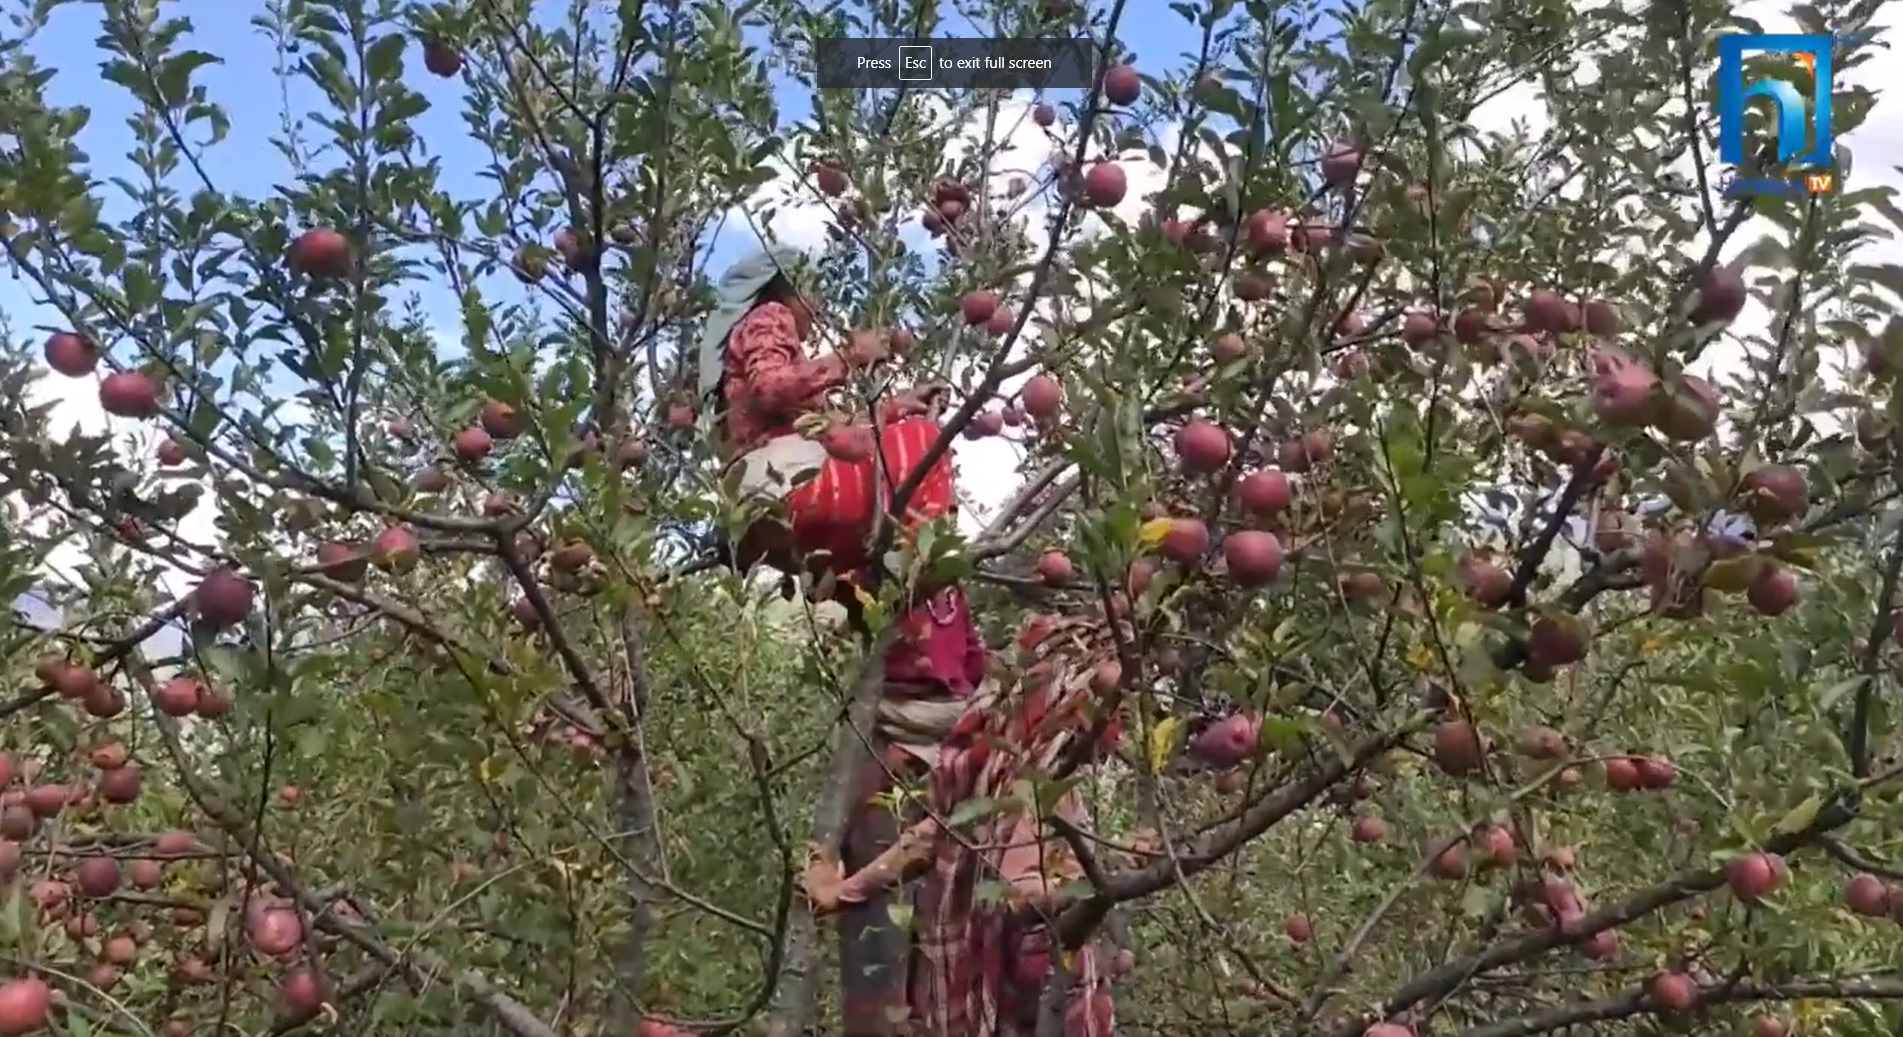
(952, 63)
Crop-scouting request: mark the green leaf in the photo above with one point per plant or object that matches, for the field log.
(383, 62)
(175, 75)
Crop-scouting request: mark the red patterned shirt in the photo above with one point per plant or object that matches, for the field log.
(769, 381)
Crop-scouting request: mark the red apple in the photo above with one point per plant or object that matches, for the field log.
(129, 394)
(1105, 185)
(1254, 557)
(395, 549)
(1227, 742)
(1265, 493)
(1341, 163)
(24, 1005)
(71, 354)
(977, 307)
(1054, 568)
(442, 59)
(1122, 85)
(1202, 446)
(178, 697)
(1185, 541)
(320, 252)
(223, 598)
(1042, 397)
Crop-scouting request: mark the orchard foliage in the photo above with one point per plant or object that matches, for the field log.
(392, 684)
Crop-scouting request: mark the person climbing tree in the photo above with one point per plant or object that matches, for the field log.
(764, 388)
(977, 965)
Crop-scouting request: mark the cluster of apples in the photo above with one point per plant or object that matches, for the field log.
(98, 893)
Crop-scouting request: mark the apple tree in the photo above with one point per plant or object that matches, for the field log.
(1494, 531)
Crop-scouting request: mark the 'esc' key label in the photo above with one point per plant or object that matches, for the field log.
(915, 64)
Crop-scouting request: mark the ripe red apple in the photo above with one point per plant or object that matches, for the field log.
(1767, 1025)
(1672, 991)
(1001, 322)
(1720, 297)
(1773, 591)
(977, 307)
(121, 950)
(223, 598)
(1558, 640)
(830, 179)
(1105, 185)
(1447, 859)
(1458, 748)
(75, 681)
(1657, 772)
(45, 800)
(289, 795)
(1624, 391)
(1229, 348)
(1603, 319)
(129, 394)
(500, 420)
(1419, 328)
(1341, 163)
(1122, 85)
(1265, 493)
(1298, 928)
(345, 562)
(1622, 773)
(681, 415)
(301, 993)
(71, 354)
(121, 785)
(1202, 446)
(178, 697)
(17, 823)
(171, 453)
(472, 444)
(1185, 541)
(1303, 453)
(1054, 568)
(1227, 742)
(1752, 876)
(1254, 557)
(1368, 829)
(175, 842)
(1044, 115)
(1541, 743)
(1548, 311)
(24, 1005)
(1042, 397)
(320, 252)
(1867, 895)
(1775, 494)
(96, 877)
(1690, 412)
(1266, 232)
(442, 58)
(1488, 584)
(395, 549)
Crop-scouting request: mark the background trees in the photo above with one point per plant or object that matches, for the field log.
(467, 736)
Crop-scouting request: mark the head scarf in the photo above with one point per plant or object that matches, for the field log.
(738, 290)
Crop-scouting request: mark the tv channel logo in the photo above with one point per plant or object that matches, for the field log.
(1803, 129)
